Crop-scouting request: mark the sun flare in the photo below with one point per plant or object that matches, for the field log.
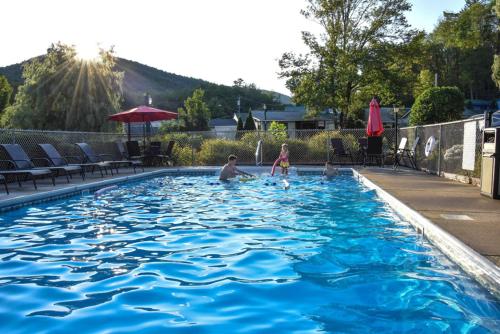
(87, 52)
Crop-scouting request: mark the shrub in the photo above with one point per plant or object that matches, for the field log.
(182, 155)
(278, 131)
(437, 104)
(216, 151)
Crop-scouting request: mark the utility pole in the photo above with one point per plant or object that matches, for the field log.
(435, 79)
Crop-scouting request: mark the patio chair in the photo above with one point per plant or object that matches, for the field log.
(374, 150)
(56, 160)
(403, 152)
(362, 142)
(411, 153)
(339, 150)
(90, 157)
(4, 181)
(398, 155)
(125, 157)
(20, 165)
(134, 150)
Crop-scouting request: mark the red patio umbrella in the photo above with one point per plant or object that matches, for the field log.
(142, 114)
(374, 127)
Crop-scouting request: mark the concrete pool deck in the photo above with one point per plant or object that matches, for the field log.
(457, 208)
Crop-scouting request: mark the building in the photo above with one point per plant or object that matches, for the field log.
(223, 127)
(294, 118)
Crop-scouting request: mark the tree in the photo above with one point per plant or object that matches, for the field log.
(496, 62)
(424, 82)
(249, 122)
(437, 104)
(62, 92)
(461, 50)
(278, 130)
(5, 93)
(239, 125)
(353, 40)
(195, 115)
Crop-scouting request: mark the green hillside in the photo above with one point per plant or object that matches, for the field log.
(169, 90)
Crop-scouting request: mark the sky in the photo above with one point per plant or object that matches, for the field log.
(216, 40)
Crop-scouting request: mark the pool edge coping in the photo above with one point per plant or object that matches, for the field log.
(474, 264)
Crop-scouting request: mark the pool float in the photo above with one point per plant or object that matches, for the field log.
(279, 160)
(246, 179)
(430, 145)
(102, 191)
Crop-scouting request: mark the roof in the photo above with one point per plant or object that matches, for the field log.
(288, 116)
(222, 122)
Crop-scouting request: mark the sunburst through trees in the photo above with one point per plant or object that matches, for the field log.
(63, 91)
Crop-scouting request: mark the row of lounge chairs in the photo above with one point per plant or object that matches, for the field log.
(21, 167)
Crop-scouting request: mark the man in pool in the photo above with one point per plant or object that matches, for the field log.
(230, 171)
(330, 170)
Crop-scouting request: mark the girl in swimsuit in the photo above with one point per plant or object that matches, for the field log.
(282, 160)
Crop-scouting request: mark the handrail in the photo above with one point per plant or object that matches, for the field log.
(258, 154)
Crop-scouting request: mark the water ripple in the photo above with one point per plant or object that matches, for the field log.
(183, 255)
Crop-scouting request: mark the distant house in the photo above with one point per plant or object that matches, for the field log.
(294, 118)
(389, 118)
(223, 127)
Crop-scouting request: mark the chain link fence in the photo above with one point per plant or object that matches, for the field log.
(63, 141)
(307, 147)
(447, 155)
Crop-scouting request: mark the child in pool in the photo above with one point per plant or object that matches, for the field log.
(282, 160)
(329, 170)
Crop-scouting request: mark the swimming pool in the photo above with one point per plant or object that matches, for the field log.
(180, 255)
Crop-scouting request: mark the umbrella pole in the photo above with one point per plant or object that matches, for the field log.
(128, 132)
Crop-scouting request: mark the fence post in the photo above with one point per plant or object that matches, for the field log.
(439, 148)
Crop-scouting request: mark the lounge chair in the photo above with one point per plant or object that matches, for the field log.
(90, 157)
(20, 165)
(125, 157)
(339, 150)
(55, 159)
(4, 181)
(374, 150)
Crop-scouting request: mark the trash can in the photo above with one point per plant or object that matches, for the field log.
(490, 163)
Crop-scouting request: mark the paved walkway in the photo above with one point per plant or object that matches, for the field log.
(441, 201)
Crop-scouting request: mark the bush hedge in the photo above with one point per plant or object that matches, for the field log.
(437, 104)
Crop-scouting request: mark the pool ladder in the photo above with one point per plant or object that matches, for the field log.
(258, 154)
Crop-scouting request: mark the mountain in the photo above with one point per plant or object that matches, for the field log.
(169, 90)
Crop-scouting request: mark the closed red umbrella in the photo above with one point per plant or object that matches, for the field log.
(374, 127)
(142, 114)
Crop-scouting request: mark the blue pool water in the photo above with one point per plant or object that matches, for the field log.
(182, 255)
